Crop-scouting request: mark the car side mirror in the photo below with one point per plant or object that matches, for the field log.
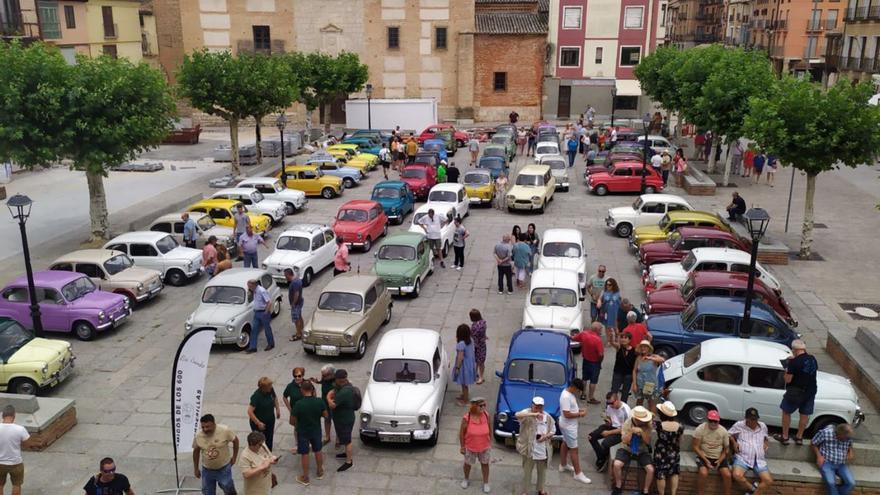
(436, 376)
(582, 298)
(499, 374)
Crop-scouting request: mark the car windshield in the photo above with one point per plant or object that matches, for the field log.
(386, 193)
(397, 253)
(221, 294)
(12, 338)
(118, 263)
(556, 164)
(494, 152)
(293, 243)
(413, 173)
(500, 139)
(637, 204)
(78, 288)
(402, 370)
(166, 244)
(529, 180)
(562, 249)
(547, 150)
(206, 223)
(663, 223)
(352, 215)
(687, 288)
(477, 179)
(277, 186)
(688, 262)
(257, 196)
(692, 356)
(433, 146)
(340, 301)
(688, 314)
(553, 296)
(443, 196)
(673, 239)
(535, 371)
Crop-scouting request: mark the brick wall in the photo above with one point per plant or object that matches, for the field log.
(42, 439)
(522, 57)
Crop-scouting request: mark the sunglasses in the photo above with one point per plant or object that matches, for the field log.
(714, 422)
(108, 471)
(297, 376)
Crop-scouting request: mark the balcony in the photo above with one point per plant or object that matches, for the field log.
(874, 13)
(781, 25)
(13, 26)
(706, 37)
(111, 31)
(814, 25)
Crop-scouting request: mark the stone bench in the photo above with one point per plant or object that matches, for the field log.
(697, 183)
(856, 352)
(771, 251)
(46, 419)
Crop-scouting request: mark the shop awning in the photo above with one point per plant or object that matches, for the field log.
(628, 87)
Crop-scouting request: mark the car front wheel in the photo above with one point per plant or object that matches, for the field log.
(623, 229)
(307, 277)
(665, 352)
(601, 190)
(362, 347)
(349, 182)
(368, 244)
(327, 193)
(244, 338)
(696, 413)
(24, 386)
(650, 190)
(84, 330)
(417, 288)
(175, 278)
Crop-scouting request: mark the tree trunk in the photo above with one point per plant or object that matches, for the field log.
(100, 225)
(807, 232)
(710, 168)
(308, 136)
(233, 136)
(259, 140)
(326, 117)
(727, 163)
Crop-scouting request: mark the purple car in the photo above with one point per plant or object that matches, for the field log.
(69, 302)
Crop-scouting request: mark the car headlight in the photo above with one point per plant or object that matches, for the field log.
(650, 307)
(536, 199)
(511, 197)
(187, 326)
(45, 370)
(424, 420)
(140, 287)
(581, 277)
(502, 417)
(307, 332)
(348, 337)
(101, 316)
(365, 418)
(359, 236)
(189, 265)
(263, 265)
(127, 303)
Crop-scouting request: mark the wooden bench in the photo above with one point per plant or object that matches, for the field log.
(697, 183)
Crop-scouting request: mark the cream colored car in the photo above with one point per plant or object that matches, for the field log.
(532, 189)
(112, 271)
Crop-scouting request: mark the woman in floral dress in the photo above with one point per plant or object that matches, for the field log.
(478, 335)
(667, 450)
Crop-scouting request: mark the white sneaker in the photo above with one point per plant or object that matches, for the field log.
(486, 488)
(582, 478)
(465, 484)
(563, 468)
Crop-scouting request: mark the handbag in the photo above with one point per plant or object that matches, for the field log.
(648, 388)
(794, 394)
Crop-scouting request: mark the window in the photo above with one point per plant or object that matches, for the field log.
(729, 374)
(711, 266)
(831, 19)
(623, 172)
(219, 213)
(571, 17)
(266, 281)
(329, 236)
(438, 362)
(629, 56)
(317, 242)
(109, 50)
(62, 267)
(162, 227)
(178, 227)
(89, 270)
(599, 51)
(767, 378)
(48, 296)
(717, 324)
(499, 82)
(109, 26)
(569, 57)
(262, 38)
(626, 102)
(50, 26)
(712, 291)
(676, 207)
(16, 294)
(764, 330)
(654, 208)
(69, 17)
(632, 17)
(440, 38)
(393, 38)
(142, 250)
(663, 15)
(370, 298)
(118, 247)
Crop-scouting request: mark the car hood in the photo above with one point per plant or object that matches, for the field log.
(394, 267)
(184, 254)
(834, 387)
(216, 314)
(516, 396)
(98, 300)
(285, 257)
(40, 350)
(135, 275)
(668, 271)
(649, 232)
(559, 172)
(398, 399)
(349, 226)
(656, 248)
(669, 295)
(621, 211)
(414, 181)
(290, 194)
(270, 204)
(529, 191)
(334, 321)
(669, 324)
(555, 317)
(219, 231)
(561, 262)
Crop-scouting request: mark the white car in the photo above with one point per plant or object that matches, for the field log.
(272, 188)
(554, 301)
(559, 168)
(404, 397)
(564, 248)
(732, 374)
(447, 232)
(309, 247)
(546, 148)
(448, 194)
(159, 251)
(255, 202)
(647, 209)
(706, 259)
(659, 144)
(228, 307)
(173, 224)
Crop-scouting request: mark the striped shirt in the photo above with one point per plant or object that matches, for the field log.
(833, 449)
(751, 443)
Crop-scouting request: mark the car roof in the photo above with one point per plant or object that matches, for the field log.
(403, 239)
(350, 282)
(260, 180)
(552, 235)
(447, 186)
(652, 136)
(727, 254)
(412, 343)
(138, 236)
(711, 278)
(549, 143)
(303, 228)
(236, 190)
(692, 214)
(690, 231)
(54, 278)
(237, 277)
(733, 306)
(360, 204)
(216, 202)
(554, 277)
(664, 198)
(534, 169)
(533, 343)
(749, 352)
(87, 256)
(389, 183)
(428, 206)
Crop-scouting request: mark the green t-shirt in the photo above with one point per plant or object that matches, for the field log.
(308, 413)
(264, 405)
(344, 412)
(293, 393)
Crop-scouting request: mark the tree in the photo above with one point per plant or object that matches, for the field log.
(270, 78)
(815, 131)
(656, 77)
(691, 74)
(303, 76)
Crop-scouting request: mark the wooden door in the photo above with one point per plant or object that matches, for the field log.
(564, 106)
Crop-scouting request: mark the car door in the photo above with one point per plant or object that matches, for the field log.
(53, 309)
(651, 213)
(763, 391)
(372, 312)
(423, 258)
(620, 180)
(463, 203)
(328, 251)
(767, 330)
(724, 383)
(308, 182)
(376, 224)
(705, 327)
(408, 199)
(94, 272)
(221, 216)
(16, 305)
(549, 184)
(146, 256)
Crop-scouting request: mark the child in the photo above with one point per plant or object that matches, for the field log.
(458, 237)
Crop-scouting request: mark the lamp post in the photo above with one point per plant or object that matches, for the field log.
(757, 220)
(613, 104)
(20, 208)
(646, 124)
(281, 123)
(369, 91)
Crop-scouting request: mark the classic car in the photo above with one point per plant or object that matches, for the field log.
(730, 375)
(69, 302)
(309, 247)
(450, 194)
(447, 213)
(272, 188)
(703, 259)
(228, 307)
(112, 271)
(447, 137)
(647, 209)
(312, 181)
(159, 251)
(255, 202)
(554, 301)
(396, 198)
(350, 176)
(348, 155)
(221, 211)
(437, 145)
(28, 364)
(360, 223)
(673, 299)
(625, 177)
(546, 148)
(172, 224)
(351, 309)
(559, 168)
(564, 249)
(479, 186)
(658, 143)
(496, 150)
(539, 363)
(674, 220)
(532, 190)
(420, 178)
(364, 144)
(403, 261)
(404, 397)
(495, 165)
(681, 241)
(709, 317)
(461, 137)
(508, 141)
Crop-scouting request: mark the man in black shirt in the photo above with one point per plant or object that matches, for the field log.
(452, 173)
(736, 207)
(108, 481)
(800, 390)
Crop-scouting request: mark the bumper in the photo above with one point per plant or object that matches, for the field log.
(194, 273)
(151, 293)
(114, 323)
(562, 185)
(590, 187)
(402, 290)
(60, 375)
(524, 206)
(397, 437)
(479, 201)
(329, 350)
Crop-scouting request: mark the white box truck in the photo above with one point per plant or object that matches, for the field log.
(386, 113)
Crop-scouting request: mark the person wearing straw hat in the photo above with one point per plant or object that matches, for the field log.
(645, 386)
(711, 444)
(536, 429)
(635, 442)
(667, 450)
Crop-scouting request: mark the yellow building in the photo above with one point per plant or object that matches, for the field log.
(93, 27)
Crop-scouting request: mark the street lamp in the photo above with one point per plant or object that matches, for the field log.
(281, 123)
(613, 104)
(757, 220)
(369, 91)
(646, 124)
(20, 208)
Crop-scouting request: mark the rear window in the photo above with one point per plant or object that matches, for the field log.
(692, 356)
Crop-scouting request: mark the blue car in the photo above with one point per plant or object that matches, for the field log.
(396, 199)
(437, 145)
(364, 144)
(709, 317)
(494, 164)
(539, 363)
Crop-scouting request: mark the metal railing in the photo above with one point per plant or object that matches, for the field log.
(814, 25)
(50, 30)
(829, 24)
(111, 31)
(874, 12)
(13, 25)
(781, 24)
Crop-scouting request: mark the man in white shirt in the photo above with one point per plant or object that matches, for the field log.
(657, 162)
(608, 434)
(11, 438)
(569, 414)
(432, 224)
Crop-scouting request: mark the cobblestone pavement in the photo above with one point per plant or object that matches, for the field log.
(121, 385)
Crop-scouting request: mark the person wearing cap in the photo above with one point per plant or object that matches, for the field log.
(341, 402)
(635, 439)
(592, 354)
(833, 448)
(569, 414)
(711, 445)
(800, 391)
(475, 438)
(750, 443)
(263, 409)
(607, 435)
(536, 429)
(645, 386)
(667, 449)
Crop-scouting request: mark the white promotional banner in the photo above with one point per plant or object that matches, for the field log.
(190, 368)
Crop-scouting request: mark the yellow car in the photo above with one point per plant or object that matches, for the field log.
(344, 157)
(31, 364)
(479, 187)
(352, 155)
(221, 211)
(532, 189)
(672, 221)
(310, 180)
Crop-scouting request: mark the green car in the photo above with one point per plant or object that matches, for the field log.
(403, 261)
(447, 137)
(509, 143)
(499, 150)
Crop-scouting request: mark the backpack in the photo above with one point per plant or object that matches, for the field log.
(357, 397)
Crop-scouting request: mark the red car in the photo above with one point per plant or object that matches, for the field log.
(625, 177)
(420, 177)
(360, 223)
(670, 298)
(680, 243)
(430, 132)
(611, 160)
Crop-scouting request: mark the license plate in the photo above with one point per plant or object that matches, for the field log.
(327, 350)
(394, 438)
(156, 290)
(65, 372)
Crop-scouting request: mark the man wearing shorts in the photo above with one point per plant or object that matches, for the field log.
(306, 418)
(569, 413)
(341, 402)
(295, 298)
(750, 442)
(11, 438)
(592, 353)
(432, 224)
(635, 441)
(800, 391)
(711, 445)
